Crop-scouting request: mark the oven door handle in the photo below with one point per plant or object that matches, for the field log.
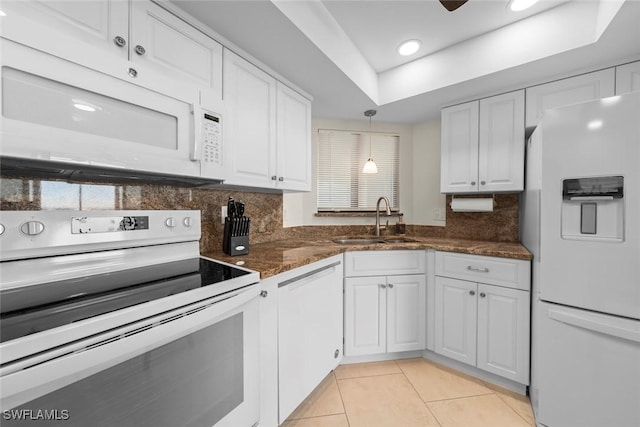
(58, 368)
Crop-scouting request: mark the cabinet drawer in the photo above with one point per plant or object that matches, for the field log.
(512, 273)
(384, 263)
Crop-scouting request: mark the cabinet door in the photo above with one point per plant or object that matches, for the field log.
(365, 301)
(82, 32)
(455, 313)
(459, 148)
(269, 352)
(406, 312)
(166, 43)
(250, 137)
(502, 143)
(628, 78)
(294, 140)
(585, 87)
(309, 331)
(503, 332)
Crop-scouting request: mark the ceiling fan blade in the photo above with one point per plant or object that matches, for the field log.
(452, 5)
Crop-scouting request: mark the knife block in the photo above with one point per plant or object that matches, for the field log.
(235, 239)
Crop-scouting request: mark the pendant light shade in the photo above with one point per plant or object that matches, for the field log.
(370, 166)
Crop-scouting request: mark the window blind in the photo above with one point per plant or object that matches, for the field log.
(341, 184)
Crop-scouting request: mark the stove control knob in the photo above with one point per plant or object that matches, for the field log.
(170, 222)
(187, 221)
(32, 228)
(1, 229)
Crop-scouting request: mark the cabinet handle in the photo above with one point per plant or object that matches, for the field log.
(390, 285)
(336, 354)
(383, 286)
(133, 72)
(472, 293)
(473, 183)
(140, 50)
(318, 271)
(479, 270)
(281, 179)
(273, 177)
(119, 41)
(482, 295)
(264, 294)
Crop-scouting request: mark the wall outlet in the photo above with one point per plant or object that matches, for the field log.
(223, 214)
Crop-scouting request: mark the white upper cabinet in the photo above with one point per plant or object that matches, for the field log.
(165, 43)
(268, 129)
(99, 34)
(628, 78)
(68, 29)
(250, 138)
(585, 87)
(293, 136)
(459, 148)
(501, 149)
(482, 147)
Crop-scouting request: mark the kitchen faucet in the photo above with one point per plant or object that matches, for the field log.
(386, 201)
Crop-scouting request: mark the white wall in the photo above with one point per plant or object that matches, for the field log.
(428, 203)
(419, 175)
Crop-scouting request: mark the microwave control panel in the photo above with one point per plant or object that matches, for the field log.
(212, 139)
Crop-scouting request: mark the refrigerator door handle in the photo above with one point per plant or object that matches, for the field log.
(597, 325)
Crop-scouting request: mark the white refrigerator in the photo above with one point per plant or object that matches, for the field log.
(580, 217)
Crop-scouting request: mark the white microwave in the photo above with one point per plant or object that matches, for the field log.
(54, 113)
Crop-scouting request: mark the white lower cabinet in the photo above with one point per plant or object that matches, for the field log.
(309, 330)
(384, 314)
(484, 325)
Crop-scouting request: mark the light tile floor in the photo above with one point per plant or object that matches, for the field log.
(407, 393)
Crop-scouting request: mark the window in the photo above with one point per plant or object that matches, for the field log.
(341, 184)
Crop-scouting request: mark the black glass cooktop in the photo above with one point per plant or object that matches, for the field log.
(46, 306)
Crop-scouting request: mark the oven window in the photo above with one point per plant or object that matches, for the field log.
(193, 381)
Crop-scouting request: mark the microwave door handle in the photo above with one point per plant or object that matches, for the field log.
(197, 132)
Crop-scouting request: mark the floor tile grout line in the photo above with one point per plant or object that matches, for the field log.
(421, 399)
(458, 398)
(513, 409)
(344, 407)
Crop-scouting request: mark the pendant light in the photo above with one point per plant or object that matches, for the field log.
(370, 166)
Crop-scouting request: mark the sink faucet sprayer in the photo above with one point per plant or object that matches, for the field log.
(386, 201)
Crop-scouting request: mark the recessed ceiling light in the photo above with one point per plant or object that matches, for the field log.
(594, 124)
(518, 5)
(409, 47)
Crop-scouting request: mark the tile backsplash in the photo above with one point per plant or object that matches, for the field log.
(264, 209)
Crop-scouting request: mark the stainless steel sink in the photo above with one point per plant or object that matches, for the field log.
(398, 240)
(368, 240)
(358, 240)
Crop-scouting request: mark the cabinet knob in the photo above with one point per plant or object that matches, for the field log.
(119, 41)
(390, 285)
(273, 177)
(281, 179)
(472, 293)
(133, 72)
(473, 183)
(140, 50)
(336, 354)
(264, 294)
(482, 295)
(383, 286)
(483, 182)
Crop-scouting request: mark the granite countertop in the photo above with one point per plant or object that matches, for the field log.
(279, 256)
